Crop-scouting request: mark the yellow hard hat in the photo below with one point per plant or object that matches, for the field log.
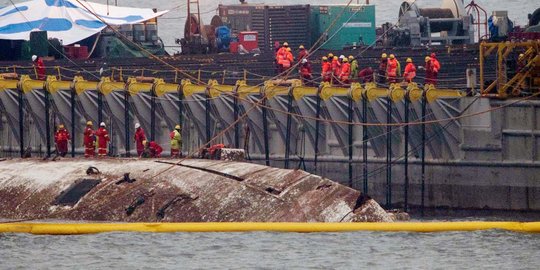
(60, 126)
(89, 123)
(384, 55)
(177, 127)
(324, 58)
(351, 57)
(288, 49)
(345, 60)
(330, 55)
(409, 60)
(144, 142)
(521, 55)
(392, 56)
(427, 59)
(301, 47)
(335, 58)
(285, 44)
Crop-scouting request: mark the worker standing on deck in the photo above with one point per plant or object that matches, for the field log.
(139, 139)
(366, 75)
(336, 68)
(176, 142)
(345, 71)
(289, 59)
(40, 67)
(326, 70)
(391, 69)
(281, 55)
(61, 138)
(381, 75)
(436, 67)
(410, 71)
(305, 72)
(302, 53)
(152, 149)
(102, 140)
(354, 69)
(89, 140)
(429, 71)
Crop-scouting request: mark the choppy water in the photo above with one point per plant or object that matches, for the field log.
(262, 250)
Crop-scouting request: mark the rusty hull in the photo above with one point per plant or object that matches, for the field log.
(191, 191)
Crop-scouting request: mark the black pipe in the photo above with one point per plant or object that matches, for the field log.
(288, 131)
(21, 122)
(207, 120)
(350, 141)
(126, 121)
(100, 106)
(265, 133)
(406, 155)
(47, 120)
(423, 171)
(152, 114)
(73, 135)
(317, 128)
(365, 138)
(388, 153)
(236, 125)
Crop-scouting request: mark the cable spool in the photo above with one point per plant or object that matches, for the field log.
(438, 13)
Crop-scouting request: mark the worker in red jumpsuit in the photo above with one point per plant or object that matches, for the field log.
(61, 139)
(139, 139)
(429, 71)
(381, 75)
(102, 140)
(391, 69)
(326, 70)
(152, 149)
(336, 68)
(305, 72)
(345, 71)
(40, 67)
(302, 53)
(89, 140)
(366, 75)
(436, 67)
(410, 71)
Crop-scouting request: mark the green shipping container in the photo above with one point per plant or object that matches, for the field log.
(355, 26)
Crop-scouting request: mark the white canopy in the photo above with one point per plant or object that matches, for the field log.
(67, 20)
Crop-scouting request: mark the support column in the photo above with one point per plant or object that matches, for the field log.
(127, 123)
(288, 131)
(406, 155)
(350, 140)
(423, 170)
(152, 115)
(265, 131)
(21, 121)
(388, 153)
(47, 120)
(73, 135)
(365, 138)
(317, 129)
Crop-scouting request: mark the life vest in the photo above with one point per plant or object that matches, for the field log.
(392, 68)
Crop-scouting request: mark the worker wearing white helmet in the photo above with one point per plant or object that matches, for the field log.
(140, 137)
(176, 142)
(40, 67)
(102, 140)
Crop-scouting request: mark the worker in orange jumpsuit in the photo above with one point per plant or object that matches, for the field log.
(429, 71)
(102, 140)
(139, 139)
(152, 149)
(302, 53)
(40, 67)
(410, 71)
(381, 75)
(345, 72)
(305, 72)
(436, 67)
(61, 139)
(326, 70)
(336, 68)
(281, 55)
(289, 59)
(89, 140)
(391, 69)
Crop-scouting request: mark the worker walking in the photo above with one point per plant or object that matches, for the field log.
(140, 137)
(305, 72)
(40, 67)
(61, 139)
(152, 149)
(176, 142)
(89, 140)
(354, 69)
(410, 71)
(391, 69)
(102, 140)
(326, 70)
(345, 72)
(381, 75)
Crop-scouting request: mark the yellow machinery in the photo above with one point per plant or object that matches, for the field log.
(525, 76)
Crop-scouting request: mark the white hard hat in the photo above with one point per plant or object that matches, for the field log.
(137, 125)
(304, 61)
(102, 124)
(34, 58)
(341, 56)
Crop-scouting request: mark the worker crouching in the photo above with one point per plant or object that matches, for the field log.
(102, 140)
(152, 150)
(89, 140)
(176, 142)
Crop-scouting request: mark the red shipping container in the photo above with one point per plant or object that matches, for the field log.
(249, 40)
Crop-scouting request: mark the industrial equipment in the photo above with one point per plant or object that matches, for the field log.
(499, 25)
(449, 24)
